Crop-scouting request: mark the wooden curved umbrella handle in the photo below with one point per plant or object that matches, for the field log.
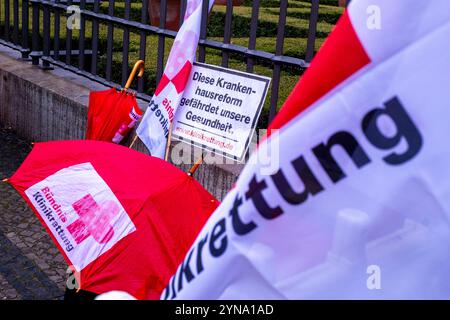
(140, 64)
(195, 166)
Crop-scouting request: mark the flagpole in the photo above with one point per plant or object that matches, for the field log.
(169, 140)
(133, 141)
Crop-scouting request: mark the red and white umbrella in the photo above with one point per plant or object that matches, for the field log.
(123, 219)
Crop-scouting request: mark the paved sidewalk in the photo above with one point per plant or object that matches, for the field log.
(30, 265)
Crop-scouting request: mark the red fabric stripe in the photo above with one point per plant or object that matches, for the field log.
(181, 79)
(341, 55)
(162, 84)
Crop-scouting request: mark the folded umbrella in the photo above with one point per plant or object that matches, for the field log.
(113, 113)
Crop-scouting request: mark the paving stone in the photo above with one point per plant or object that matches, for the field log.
(23, 225)
(26, 233)
(28, 257)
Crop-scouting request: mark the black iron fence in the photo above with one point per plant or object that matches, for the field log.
(101, 40)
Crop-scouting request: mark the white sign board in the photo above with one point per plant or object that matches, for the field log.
(220, 109)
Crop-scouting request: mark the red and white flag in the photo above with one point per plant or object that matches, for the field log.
(155, 125)
(358, 204)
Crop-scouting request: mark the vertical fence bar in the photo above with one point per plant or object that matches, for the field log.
(161, 41)
(311, 42)
(205, 13)
(35, 33)
(227, 32)
(94, 45)
(7, 17)
(57, 26)
(277, 66)
(126, 44)
(46, 34)
(143, 42)
(82, 36)
(25, 31)
(68, 40)
(182, 11)
(109, 43)
(16, 22)
(253, 34)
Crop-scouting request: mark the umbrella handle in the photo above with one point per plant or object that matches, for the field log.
(140, 64)
(195, 166)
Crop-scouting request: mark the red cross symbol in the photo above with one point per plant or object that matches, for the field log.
(95, 220)
(179, 80)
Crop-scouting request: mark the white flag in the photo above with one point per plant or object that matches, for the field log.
(358, 205)
(155, 125)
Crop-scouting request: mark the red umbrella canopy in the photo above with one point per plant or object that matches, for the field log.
(123, 219)
(111, 115)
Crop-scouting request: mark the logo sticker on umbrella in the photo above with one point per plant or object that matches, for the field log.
(84, 216)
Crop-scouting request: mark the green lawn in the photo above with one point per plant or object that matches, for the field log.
(294, 45)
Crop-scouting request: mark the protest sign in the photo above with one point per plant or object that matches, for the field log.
(220, 109)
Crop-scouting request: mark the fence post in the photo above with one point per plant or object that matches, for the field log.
(205, 13)
(46, 34)
(109, 43)
(35, 55)
(7, 19)
(126, 44)
(81, 37)
(161, 41)
(68, 40)
(277, 66)
(253, 34)
(16, 22)
(143, 42)
(94, 45)
(25, 32)
(311, 42)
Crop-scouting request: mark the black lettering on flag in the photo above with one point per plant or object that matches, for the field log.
(200, 245)
(311, 184)
(405, 129)
(350, 145)
(255, 193)
(217, 232)
(239, 227)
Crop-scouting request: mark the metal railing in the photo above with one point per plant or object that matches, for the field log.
(44, 42)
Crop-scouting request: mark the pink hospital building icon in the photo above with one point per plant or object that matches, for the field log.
(94, 220)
